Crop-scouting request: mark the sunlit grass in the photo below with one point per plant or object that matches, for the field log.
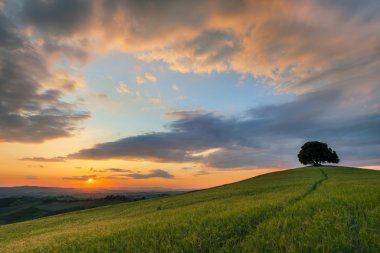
(302, 210)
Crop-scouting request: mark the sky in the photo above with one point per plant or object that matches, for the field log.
(183, 94)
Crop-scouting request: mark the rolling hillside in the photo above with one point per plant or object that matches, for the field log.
(314, 209)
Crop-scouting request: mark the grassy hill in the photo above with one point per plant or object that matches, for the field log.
(314, 209)
(16, 209)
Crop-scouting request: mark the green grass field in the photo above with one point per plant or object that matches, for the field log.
(314, 209)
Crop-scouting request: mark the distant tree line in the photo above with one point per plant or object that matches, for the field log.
(123, 198)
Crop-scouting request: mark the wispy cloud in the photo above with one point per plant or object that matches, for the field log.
(36, 166)
(122, 88)
(44, 159)
(80, 178)
(201, 173)
(117, 174)
(115, 170)
(117, 177)
(140, 80)
(175, 88)
(155, 100)
(150, 77)
(147, 76)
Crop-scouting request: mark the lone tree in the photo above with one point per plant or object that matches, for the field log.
(315, 153)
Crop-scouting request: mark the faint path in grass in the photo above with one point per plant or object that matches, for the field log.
(267, 215)
(312, 188)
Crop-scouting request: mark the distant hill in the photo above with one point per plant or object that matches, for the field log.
(37, 191)
(30, 202)
(312, 209)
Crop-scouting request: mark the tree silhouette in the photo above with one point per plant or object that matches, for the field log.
(315, 153)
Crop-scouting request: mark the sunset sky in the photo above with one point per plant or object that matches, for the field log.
(183, 94)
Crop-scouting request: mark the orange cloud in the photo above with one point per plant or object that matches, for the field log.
(286, 44)
(122, 88)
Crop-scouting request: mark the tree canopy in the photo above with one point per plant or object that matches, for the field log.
(315, 153)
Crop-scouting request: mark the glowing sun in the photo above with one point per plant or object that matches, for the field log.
(90, 180)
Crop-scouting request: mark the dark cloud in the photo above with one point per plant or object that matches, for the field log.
(151, 174)
(154, 18)
(57, 17)
(58, 49)
(267, 136)
(351, 7)
(8, 38)
(29, 112)
(177, 145)
(138, 175)
(271, 155)
(138, 18)
(43, 159)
